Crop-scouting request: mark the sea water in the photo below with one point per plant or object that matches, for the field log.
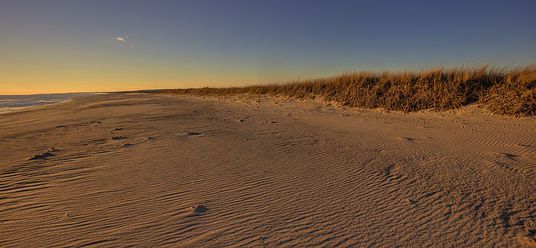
(9, 103)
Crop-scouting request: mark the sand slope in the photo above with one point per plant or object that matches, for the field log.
(150, 170)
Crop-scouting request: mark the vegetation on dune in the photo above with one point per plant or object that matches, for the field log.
(508, 92)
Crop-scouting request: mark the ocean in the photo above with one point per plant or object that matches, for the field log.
(9, 103)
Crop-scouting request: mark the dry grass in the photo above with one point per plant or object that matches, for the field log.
(508, 92)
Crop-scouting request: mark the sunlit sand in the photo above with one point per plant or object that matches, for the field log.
(156, 170)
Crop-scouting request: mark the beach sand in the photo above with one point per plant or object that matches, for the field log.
(155, 170)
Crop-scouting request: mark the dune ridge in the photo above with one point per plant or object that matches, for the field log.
(502, 91)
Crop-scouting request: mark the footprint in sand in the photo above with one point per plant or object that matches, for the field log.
(99, 141)
(507, 155)
(406, 139)
(193, 133)
(392, 173)
(42, 156)
(199, 208)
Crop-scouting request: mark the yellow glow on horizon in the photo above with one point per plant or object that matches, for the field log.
(41, 85)
(22, 88)
(73, 79)
(41, 80)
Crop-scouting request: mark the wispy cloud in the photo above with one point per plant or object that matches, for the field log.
(121, 39)
(124, 41)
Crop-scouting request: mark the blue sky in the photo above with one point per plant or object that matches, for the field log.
(74, 45)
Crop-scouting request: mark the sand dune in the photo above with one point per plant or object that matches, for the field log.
(155, 170)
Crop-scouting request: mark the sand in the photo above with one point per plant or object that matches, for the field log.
(156, 170)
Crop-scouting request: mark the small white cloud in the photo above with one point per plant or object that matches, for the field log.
(121, 39)
(124, 41)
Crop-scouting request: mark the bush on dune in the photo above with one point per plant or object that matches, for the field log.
(508, 92)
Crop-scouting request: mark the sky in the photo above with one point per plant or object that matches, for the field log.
(107, 45)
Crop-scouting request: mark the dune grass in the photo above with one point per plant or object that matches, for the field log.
(502, 91)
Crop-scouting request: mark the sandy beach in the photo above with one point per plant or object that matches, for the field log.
(154, 170)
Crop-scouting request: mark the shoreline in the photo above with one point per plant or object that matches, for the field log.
(43, 103)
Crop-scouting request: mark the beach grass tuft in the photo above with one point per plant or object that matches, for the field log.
(502, 91)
